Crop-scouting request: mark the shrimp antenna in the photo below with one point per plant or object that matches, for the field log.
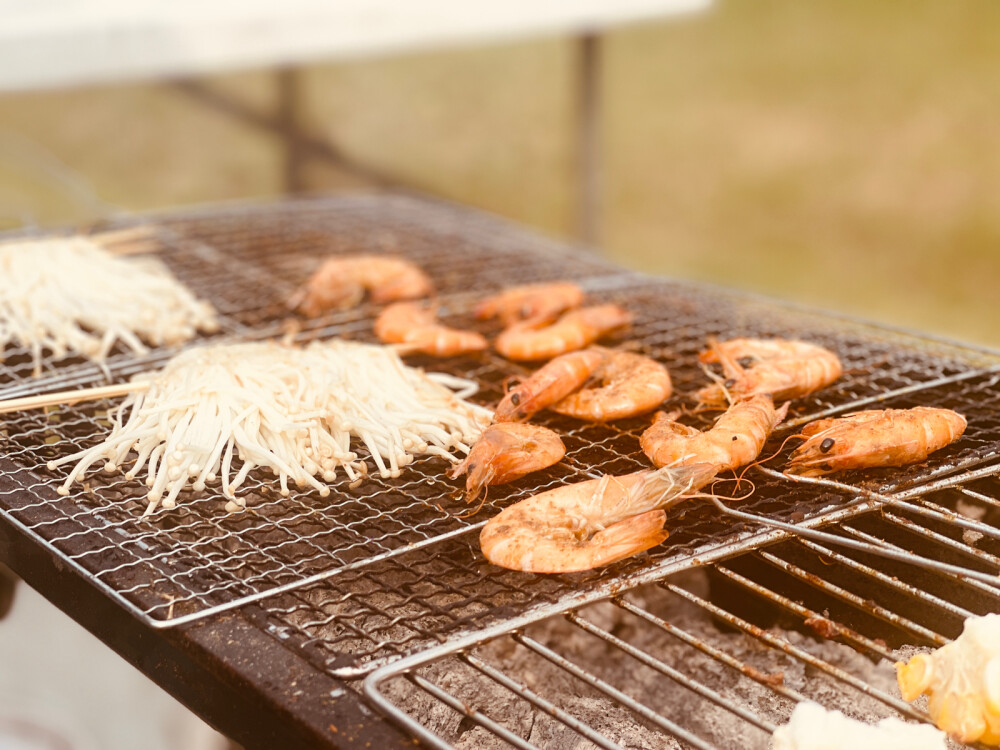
(738, 480)
(759, 461)
(711, 495)
(864, 370)
(719, 381)
(685, 411)
(482, 502)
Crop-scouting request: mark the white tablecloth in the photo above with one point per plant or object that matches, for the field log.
(46, 43)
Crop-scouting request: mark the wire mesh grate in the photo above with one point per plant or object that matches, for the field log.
(714, 658)
(373, 573)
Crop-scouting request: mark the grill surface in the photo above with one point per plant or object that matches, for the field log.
(682, 664)
(369, 575)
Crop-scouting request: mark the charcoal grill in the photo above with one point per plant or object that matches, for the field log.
(386, 580)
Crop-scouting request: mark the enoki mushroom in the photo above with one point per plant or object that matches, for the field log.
(70, 295)
(216, 413)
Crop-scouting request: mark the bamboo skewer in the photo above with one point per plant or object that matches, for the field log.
(69, 398)
(404, 349)
(127, 241)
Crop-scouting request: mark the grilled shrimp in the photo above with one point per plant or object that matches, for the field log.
(540, 338)
(584, 525)
(417, 327)
(631, 384)
(341, 282)
(880, 437)
(550, 383)
(505, 452)
(783, 368)
(530, 301)
(735, 440)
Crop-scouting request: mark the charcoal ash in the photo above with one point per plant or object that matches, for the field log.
(693, 713)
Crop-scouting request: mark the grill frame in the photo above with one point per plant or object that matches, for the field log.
(601, 279)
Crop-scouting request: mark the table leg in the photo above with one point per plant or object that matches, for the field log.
(287, 120)
(300, 145)
(588, 136)
(7, 583)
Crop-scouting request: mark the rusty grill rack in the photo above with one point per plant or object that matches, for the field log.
(678, 664)
(370, 575)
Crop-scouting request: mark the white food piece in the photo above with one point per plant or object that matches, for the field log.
(812, 727)
(218, 412)
(962, 680)
(69, 295)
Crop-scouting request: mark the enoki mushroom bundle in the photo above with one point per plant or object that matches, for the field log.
(70, 295)
(216, 413)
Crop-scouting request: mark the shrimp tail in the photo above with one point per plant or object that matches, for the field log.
(631, 536)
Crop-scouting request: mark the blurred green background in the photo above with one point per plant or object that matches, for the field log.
(841, 153)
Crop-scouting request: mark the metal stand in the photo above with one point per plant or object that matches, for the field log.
(287, 119)
(300, 145)
(7, 583)
(588, 220)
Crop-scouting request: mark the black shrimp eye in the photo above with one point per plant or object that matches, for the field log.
(745, 361)
(826, 445)
(735, 438)
(515, 398)
(730, 383)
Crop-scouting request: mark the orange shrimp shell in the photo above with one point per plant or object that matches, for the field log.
(340, 282)
(508, 451)
(735, 440)
(783, 368)
(630, 384)
(530, 301)
(879, 437)
(417, 327)
(548, 384)
(539, 339)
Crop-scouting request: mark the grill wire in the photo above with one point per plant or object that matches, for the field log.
(369, 576)
(717, 658)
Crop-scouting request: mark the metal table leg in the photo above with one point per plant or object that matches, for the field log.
(588, 135)
(7, 583)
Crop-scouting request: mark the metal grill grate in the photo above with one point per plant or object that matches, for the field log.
(372, 574)
(716, 659)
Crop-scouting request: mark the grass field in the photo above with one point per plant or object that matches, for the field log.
(839, 153)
